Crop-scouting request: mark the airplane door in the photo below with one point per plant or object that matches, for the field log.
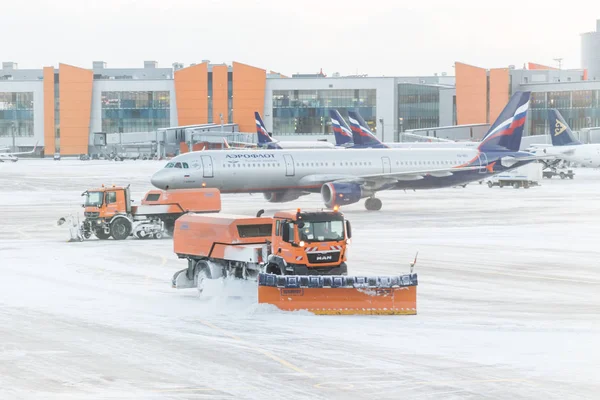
(207, 166)
(289, 165)
(483, 161)
(385, 163)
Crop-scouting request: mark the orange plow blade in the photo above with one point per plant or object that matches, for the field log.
(340, 295)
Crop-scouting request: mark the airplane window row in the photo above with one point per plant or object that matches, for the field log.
(264, 165)
(341, 164)
(427, 162)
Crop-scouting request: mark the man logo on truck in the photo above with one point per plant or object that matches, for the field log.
(324, 257)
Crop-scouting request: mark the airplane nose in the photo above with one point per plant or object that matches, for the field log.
(160, 180)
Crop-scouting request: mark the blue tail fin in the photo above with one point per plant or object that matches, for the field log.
(264, 139)
(506, 133)
(559, 130)
(341, 131)
(261, 131)
(361, 134)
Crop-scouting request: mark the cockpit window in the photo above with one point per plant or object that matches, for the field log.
(185, 165)
(178, 165)
(169, 165)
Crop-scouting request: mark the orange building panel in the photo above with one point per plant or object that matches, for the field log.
(539, 66)
(499, 91)
(191, 94)
(75, 87)
(49, 147)
(471, 94)
(219, 93)
(248, 95)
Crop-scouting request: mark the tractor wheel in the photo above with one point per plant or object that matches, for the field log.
(101, 235)
(120, 228)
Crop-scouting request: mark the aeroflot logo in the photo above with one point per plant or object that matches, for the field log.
(255, 156)
(559, 128)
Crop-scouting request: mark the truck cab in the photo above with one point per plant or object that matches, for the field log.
(309, 243)
(106, 202)
(107, 212)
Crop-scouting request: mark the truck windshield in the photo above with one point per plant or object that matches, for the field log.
(322, 231)
(94, 199)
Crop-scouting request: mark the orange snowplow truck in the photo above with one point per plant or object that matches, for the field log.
(109, 212)
(297, 257)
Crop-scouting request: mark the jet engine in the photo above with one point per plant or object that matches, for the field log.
(282, 196)
(342, 193)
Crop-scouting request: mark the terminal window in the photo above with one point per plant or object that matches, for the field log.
(16, 114)
(128, 111)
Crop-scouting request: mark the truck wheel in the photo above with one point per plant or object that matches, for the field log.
(562, 175)
(571, 176)
(516, 185)
(490, 184)
(526, 185)
(101, 235)
(202, 273)
(158, 235)
(120, 228)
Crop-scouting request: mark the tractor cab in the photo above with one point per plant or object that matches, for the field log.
(106, 202)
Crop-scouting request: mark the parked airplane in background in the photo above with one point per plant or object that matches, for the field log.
(266, 141)
(565, 145)
(345, 177)
(341, 130)
(13, 156)
(364, 137)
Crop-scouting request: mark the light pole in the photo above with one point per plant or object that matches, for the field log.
(14, 147)
(400, 127)
(382, 129)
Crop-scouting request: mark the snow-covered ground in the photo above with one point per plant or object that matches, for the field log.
(508, 302)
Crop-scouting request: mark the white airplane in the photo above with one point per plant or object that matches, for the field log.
(347, 176)
(565, 146)
(13, 156)
(267, 142)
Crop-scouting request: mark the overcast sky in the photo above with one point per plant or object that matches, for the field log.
(376, 37)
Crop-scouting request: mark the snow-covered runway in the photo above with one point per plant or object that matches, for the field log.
(508, 301)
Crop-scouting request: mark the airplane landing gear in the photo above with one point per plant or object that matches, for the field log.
(373, 204)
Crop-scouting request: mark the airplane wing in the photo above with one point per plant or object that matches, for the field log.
(426, 138)
(378, 181)
(23, 152)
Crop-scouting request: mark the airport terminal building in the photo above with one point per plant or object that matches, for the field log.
(61, 108)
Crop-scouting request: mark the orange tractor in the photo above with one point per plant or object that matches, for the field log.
(109, 212)
(297, 257)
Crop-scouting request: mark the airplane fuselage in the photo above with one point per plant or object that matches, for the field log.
(306, 170)
(8, 157)
(584, 154)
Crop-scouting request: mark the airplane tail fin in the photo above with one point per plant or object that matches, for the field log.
(560, 132)
(361, 134)
(261, 131)
(341, 131)
(507, 131)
